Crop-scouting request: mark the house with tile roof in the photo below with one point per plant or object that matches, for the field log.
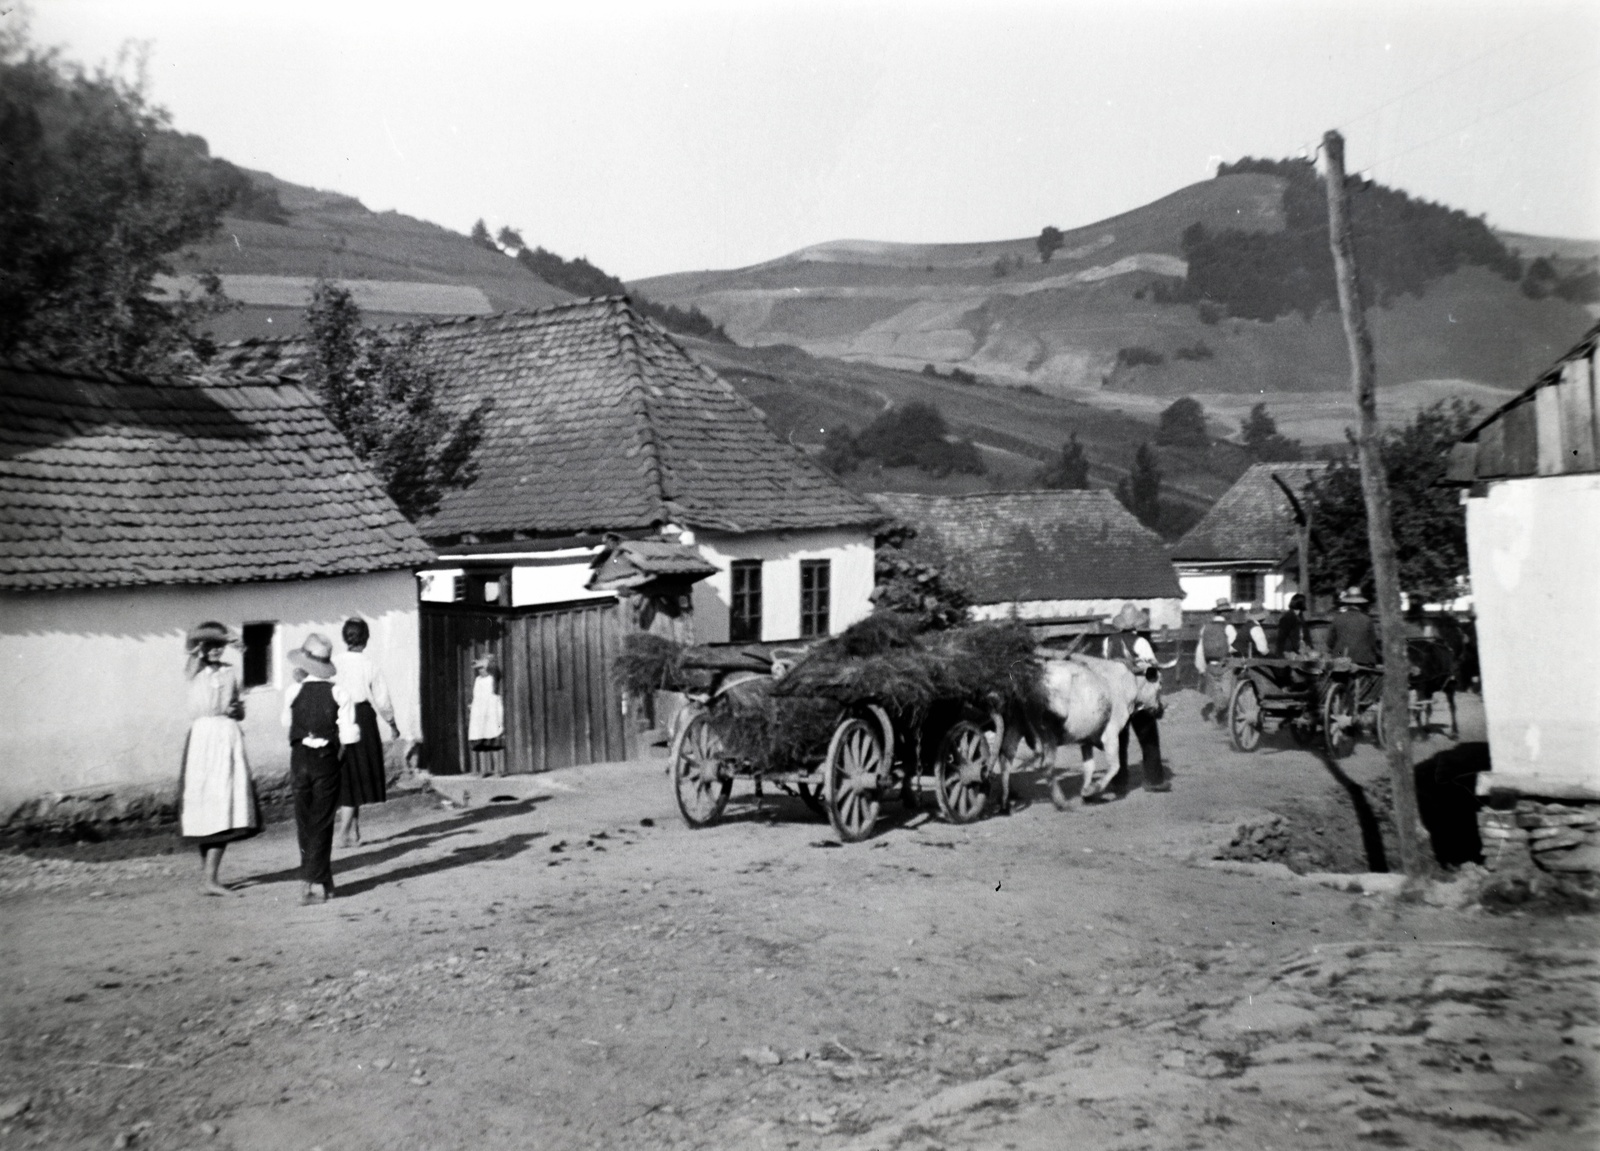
(132, 509)
(597, 421)
(1530, 472)
(1043, 556)
(1245, 548)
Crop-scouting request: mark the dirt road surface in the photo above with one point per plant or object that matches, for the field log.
(581, 970)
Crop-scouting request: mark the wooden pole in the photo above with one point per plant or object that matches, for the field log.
(1414, 841)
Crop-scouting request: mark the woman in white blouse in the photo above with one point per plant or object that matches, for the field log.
(361, 778)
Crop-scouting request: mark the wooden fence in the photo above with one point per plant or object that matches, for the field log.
(561, 705)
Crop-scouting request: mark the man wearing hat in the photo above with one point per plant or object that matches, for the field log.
(1211, 658)
(1355, 636)
(1131, 645)
(319, 715)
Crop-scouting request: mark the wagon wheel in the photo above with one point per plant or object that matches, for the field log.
(1244, 716)
(962, 773)
(854, 769)
(811, 795)
(698, 779)
(1380, 735)
(1339, 719)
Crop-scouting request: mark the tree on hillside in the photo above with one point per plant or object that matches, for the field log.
(379, 395)
(1140, 490)
(1067, 472)
(1049, 243)
(916, 435)
(840, 454)
(1183, 424)
(509, 239)
(1261, 439)
(1429, 523)
(481, 236)
(97, 192)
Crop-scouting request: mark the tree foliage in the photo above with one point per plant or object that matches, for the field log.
(1183, 424)
(1049, 243)
(96, 194)
(582, 278)
(914, 587)
(1263, 441)
(1430, 530)
(1067, 472)
(1402, 245)
(384, 401)
(1140, 490)
(916, 435)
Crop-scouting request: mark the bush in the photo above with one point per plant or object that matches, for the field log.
(916, 435)
(1199, 350)
(1183, 424)
(1137, 355)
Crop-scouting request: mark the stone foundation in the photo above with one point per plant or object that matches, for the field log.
(1552, 836)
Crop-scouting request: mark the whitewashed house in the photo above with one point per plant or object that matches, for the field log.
(1531, 476)
(596, 422)
(1245, 549)
(132, 510)
(1043, 557)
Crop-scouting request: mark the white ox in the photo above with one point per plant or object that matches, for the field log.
(1090, 702)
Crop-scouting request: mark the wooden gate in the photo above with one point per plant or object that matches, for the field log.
(561, 704)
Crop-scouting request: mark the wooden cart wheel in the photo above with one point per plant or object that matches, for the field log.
(1378, 732)
(962, 773)
(698, 778)
(811, 795)
(854, 770)
(1339, 720)
(1244, 716)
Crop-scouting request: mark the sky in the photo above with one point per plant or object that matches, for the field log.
(690, 134)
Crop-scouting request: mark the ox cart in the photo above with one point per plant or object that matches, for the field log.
(1317, 698)
(852, 721)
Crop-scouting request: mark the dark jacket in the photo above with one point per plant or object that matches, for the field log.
(1291, 635)
(314, 712)
(1355, 635)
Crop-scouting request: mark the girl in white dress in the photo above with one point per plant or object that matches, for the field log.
(218, 799)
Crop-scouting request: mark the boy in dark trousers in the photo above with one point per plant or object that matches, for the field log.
(318, 713)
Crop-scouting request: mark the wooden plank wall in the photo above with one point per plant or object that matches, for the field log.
(561, 705)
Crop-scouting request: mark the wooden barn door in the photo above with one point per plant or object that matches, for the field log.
(561, 704)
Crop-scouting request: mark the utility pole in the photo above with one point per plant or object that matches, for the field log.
(1414, 840)
(1302, 522)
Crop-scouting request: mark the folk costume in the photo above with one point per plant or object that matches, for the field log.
(1291, 638)
(1211, 652)
(362, 772)
(319, 716)
(1132, 646)
(217, 800)
(1355, 636)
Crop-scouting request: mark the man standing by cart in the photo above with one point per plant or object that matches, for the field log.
(1131, 645)
(1211, 661)
(1355, 636)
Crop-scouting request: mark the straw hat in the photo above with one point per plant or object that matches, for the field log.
(1223, 605)
(207, 634)
(314, 656)
(1352, 595)
(1256, 612)
(1126, 619)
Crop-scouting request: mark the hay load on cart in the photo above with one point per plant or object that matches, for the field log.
(879, 709)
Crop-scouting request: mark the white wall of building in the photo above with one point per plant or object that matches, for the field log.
(1534, 548)
(851, 575)
(92, 687)
(1202, 589)
(1165, 612)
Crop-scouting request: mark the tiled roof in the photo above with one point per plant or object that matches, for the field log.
(596, 419)
(1253, 520)
(112, 481)
(1012, 547)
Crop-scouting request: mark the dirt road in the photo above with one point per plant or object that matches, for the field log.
(581, 970)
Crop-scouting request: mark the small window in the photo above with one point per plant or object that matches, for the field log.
(1246, 587)
(815, 580)
(257, 643)
(744, 617)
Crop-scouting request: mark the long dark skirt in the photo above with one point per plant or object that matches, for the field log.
(361, 769)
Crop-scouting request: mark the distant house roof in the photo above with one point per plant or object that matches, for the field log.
(113, 481)
(596, 419)
(1552, 428)
(1015, 547)
(1253, 520)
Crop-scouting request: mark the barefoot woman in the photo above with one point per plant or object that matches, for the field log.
(361, 767)
(218, 802)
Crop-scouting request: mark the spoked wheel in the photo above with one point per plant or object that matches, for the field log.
(1379, 734)
(698, 776)
(962, 773)
(811, 795)
(1244, 716)
(1339, 720)
(854, 770)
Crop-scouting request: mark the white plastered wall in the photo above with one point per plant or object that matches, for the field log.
(92, 687)
(1534, 549)
(1164, 612)
(1202, 589)
(851, 576)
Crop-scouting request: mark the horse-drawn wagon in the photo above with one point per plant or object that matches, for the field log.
(1317, 698)
(851, 721)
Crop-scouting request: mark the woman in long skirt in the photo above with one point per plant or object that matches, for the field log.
(361, 767)
(217, 796)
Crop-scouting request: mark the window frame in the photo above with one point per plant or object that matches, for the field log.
(267, 650)
(1257, 587)
(816, 617)
(745, 591)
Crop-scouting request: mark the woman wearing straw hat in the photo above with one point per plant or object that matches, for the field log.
(320, 716)
(217, 802)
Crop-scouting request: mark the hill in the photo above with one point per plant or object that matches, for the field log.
(1087, 324)
(283, 236)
